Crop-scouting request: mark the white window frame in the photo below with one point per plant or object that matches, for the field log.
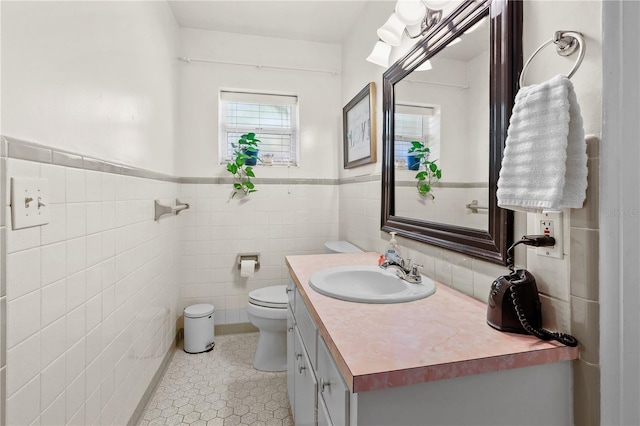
(266, 98)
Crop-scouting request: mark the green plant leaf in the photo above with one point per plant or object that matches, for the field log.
(250, 135)
(424, 188)
(249, 185)
(439, 174)
(239, 161)
(433, 167)
(232, 168)
(421, 175)
(252, 190)
(249, 172)
(416, 144)
(237, 185)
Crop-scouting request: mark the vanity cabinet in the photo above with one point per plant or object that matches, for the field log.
(317, 392)
(433, 361)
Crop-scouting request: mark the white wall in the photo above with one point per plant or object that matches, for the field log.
(91, 296)
(97, 78)
(279, 219)
(200, 84)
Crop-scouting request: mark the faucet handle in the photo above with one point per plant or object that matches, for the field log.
(415, 269)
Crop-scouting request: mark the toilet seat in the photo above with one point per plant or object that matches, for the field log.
(274, 297)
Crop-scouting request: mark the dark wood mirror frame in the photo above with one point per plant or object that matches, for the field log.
(506, 64)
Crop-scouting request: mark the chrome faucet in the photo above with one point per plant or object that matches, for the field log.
(410, 273)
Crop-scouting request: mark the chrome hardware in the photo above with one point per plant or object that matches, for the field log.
(566, 42)
(409, 273)
(323, 384)
(474, 207)
(161, 210)
(300, 368)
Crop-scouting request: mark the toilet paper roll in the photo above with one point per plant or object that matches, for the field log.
(247, 268)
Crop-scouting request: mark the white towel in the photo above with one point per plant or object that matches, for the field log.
(544, 166)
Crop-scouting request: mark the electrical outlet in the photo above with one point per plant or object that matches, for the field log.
(550, 223)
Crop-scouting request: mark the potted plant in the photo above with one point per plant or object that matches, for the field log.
(431, 173)
(245, 155)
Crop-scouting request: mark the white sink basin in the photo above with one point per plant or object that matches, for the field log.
(369, 284)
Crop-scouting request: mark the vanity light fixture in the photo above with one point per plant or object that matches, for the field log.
(411, 18)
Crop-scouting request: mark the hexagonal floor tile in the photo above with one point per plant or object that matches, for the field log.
(220, 388)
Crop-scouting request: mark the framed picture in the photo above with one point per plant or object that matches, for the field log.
(359, 128)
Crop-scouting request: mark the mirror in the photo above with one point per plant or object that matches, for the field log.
(449, 101)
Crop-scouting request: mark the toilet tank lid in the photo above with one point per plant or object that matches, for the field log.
(342, 247)
(198, 311)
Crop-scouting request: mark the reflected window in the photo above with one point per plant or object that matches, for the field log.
(415, 123)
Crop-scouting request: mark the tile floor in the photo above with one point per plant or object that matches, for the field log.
(220, 388)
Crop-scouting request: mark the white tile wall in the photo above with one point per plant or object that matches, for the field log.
(81, 343)
(276, 221)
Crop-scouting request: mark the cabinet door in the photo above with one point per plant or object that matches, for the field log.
(291, 358)
(323, 415)
(306, 387)
(332, 388)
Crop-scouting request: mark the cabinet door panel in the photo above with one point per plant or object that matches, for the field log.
(291, 358)
(307, 327)
(332, 388)
(306, 387)
(323, 416)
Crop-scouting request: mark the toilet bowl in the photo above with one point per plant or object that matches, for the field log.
(267, 310)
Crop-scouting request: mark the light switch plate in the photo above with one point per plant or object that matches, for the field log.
(29, 202)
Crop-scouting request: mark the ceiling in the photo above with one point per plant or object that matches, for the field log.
(324, 21)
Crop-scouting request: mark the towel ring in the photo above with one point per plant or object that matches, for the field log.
(566, 43)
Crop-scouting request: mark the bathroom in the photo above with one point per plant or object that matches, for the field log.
(91, 303)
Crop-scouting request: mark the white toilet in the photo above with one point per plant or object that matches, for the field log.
(267, 310)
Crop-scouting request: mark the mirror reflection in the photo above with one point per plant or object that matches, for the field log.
(441, 141)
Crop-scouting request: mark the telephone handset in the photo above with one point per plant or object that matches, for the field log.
(514, 304)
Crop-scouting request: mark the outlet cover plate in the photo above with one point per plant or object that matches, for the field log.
(555, 220)
(29, 202)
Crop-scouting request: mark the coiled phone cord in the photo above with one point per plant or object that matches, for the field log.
(565, 339)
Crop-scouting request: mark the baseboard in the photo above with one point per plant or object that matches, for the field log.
(151, 389)
(243, 327)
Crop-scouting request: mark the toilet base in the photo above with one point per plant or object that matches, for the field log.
(271, 353)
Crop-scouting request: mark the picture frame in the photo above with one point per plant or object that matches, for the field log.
(359, 128)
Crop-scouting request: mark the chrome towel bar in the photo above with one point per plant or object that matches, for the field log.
(474, 207)
(161, 210)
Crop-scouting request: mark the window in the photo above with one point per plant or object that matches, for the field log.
(273, 118)
(416, 123)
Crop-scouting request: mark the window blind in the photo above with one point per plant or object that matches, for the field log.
(416, 123)
(272, 117)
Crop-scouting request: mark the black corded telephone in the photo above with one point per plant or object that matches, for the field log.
(514, 304)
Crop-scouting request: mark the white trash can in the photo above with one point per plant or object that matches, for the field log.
(198, 328)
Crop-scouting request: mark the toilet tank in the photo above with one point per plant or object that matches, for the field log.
(340, 247)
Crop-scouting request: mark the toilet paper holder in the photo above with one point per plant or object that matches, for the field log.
(248, 256)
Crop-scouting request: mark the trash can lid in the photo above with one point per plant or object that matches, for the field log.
(198, 311)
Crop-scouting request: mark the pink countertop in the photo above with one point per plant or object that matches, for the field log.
(379, 346)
